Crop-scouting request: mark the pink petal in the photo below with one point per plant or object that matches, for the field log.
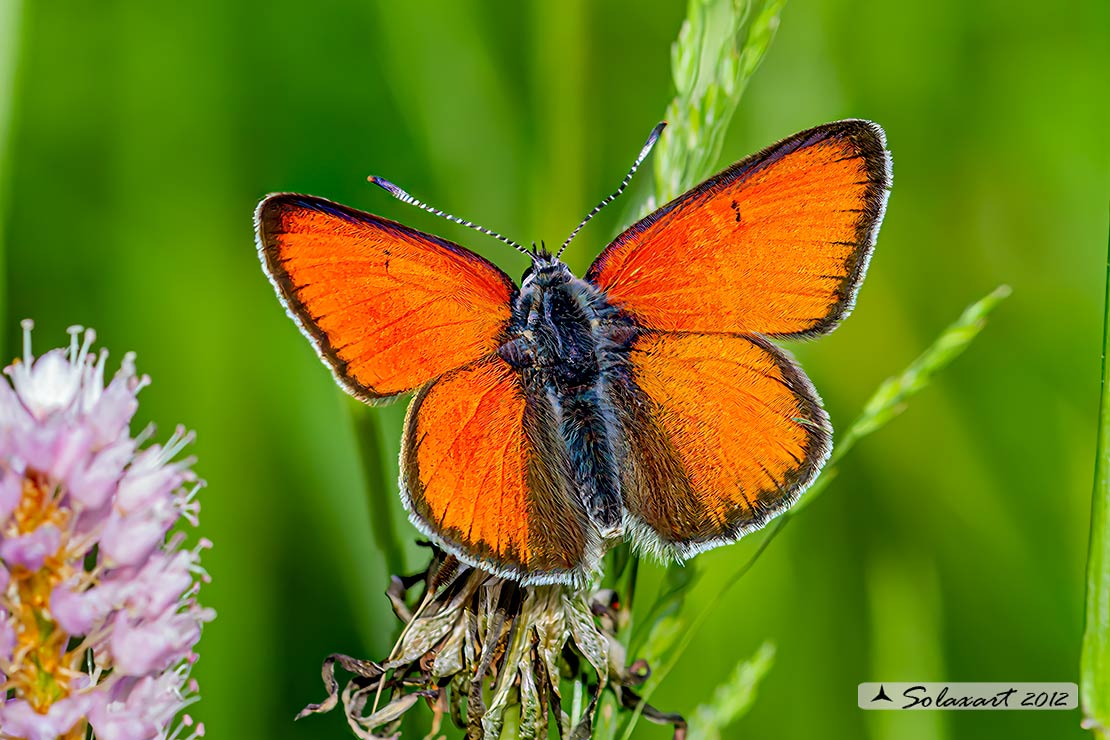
(19, 720)
(7, 636)
(31, 550)
(139, 649)
(11, 491)
(112, 413)
(115, 721)
(70, 448)
(93, 483)
(147, 481)
(78, 612)
(129, 540)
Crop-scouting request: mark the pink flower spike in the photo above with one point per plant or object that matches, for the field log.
(118, 632)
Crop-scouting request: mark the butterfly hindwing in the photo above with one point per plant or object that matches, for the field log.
(485, 475)
(387, 307)
(777, 244)
(722, 433)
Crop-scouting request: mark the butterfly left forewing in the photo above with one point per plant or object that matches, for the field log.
(721, 433)
(387, 307)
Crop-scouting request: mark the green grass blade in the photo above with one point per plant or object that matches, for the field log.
(688, 636)
(11, 12)
(718, 49)
(677, 581)
(379, 490)
(719, 46)
(733, 698)
(1094, 667)
(890, 399)
(905, 603)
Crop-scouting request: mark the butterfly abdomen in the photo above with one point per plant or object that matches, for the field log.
(556, 343)
(588, 435)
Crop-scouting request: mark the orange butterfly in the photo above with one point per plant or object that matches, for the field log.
(645, 401)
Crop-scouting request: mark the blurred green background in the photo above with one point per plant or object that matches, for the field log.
(139, 136)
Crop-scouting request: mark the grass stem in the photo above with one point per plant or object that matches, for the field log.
(379, 490)
(11, 12)
(1094, 668)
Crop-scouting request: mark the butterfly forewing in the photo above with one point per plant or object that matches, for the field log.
(777, 244)
(387, 307)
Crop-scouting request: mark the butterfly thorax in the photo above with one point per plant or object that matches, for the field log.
(564, 338)
(562, 327)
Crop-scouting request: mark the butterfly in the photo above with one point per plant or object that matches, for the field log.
(646, 401)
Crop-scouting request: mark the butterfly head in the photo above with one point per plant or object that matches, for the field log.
(546, 269)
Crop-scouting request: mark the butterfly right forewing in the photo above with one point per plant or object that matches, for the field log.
(776, 244)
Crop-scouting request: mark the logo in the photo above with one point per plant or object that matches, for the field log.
(947, 696)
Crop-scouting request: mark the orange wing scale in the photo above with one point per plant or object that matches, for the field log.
(729, 435)
(483, 475)
(776, 244)
(387, 306)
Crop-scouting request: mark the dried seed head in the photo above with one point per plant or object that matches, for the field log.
(475, 645)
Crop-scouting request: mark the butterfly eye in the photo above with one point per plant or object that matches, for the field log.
(527, 274)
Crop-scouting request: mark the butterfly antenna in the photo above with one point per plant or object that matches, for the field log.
(401, 195)
(652, 138)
